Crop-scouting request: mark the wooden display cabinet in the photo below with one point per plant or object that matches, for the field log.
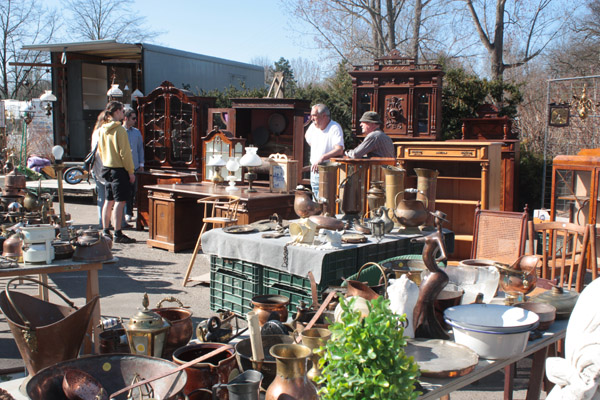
(407, 96)
(222, 143)
(172, 121)
(469, 174)
(575, 187)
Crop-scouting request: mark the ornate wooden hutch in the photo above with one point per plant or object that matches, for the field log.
(406, 95)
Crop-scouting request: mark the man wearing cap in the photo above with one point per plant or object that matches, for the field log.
(376, 143)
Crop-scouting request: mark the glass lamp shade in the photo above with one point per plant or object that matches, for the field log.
(137, 93)
(114, 91)
(58, 152)
(251, 159)
(216, 161)
(48, 96)
(232, 164)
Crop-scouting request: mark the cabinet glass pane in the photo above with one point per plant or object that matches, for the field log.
(181, 131)
(572, 196)
(154, 128)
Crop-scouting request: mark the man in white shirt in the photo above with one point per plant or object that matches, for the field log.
(326, 140)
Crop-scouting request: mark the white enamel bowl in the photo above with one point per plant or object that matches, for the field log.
(492, 318)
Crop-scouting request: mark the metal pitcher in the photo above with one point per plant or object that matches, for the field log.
(352, 197)
(304, 204)
(394, 184)
(410, 213)
(245, 386)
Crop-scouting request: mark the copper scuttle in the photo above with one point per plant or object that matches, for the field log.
(45, 333)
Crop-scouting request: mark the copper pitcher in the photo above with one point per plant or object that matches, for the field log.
(291, 381)
(304, 204)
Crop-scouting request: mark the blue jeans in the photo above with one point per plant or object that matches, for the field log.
(314, 183)
(100, 197)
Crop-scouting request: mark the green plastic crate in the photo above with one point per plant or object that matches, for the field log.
(382, 251)
(233, 291)
(254, 271)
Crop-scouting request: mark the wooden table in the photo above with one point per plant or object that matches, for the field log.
(176, 217)
(539, 348)
(60, 266)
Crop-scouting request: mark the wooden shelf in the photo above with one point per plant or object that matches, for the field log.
(457, 201)
(459, 178)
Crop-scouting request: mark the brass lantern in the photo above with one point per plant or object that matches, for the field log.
(147, 332)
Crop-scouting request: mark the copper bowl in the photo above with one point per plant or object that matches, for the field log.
(266, 304)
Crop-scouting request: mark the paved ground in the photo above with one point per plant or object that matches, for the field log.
(159, 273)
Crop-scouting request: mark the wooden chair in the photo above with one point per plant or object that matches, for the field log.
(499, 235)
(220, 211)
(565, 251)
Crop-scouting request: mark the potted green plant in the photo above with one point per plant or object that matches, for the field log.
(365, 357)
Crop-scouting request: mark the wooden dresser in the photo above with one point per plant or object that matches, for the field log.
(469, 173)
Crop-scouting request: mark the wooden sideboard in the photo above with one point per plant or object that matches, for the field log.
(469, 173)
(175, 217)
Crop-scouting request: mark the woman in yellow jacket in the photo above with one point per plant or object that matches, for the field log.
(117, 170)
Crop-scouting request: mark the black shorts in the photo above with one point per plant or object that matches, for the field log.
(117, 185)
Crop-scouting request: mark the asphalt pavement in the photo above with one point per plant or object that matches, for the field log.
(140, 269)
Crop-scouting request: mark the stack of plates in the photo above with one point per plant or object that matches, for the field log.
(493, 331)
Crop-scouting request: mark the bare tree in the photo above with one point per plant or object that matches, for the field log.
(23, 22)
(107, 19)
(533, 24)
(306, 71)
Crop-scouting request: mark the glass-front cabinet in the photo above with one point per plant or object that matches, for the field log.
(222, 144)
(172, 121)
(575, 187)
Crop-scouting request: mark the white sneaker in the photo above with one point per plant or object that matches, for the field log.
(128, 218)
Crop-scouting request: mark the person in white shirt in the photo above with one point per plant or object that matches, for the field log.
(326, 140)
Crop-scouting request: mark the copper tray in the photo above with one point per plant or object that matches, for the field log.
(239, 229)
(330, 223)
(442, 358)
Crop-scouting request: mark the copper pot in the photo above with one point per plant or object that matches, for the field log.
(13, 247)
(266, 304)
(410, 213)
(218, 369)
(182, 328)
(304, 205)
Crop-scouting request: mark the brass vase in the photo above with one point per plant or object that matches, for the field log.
(291, 381)
(426, 191)
(314, 338)
(328, 187)
(394, 184)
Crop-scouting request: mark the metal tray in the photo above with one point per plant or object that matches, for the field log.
(239, 229)
(442, 358)
(354, 238)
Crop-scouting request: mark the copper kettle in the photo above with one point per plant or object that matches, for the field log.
(304, 204)
(91, 246)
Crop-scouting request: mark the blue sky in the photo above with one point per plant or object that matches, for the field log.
(239, 30)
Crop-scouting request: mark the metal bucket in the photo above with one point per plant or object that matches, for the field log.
(45, 333)
(114, 372)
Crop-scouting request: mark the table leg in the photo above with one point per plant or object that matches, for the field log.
(509, 381)
(43, 290)
(92, 290)
(537, 374)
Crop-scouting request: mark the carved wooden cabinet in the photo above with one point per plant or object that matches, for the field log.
(407, 96)
(172, 121)
(469, 173)
(575, 182)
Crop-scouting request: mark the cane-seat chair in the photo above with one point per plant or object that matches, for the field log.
(219, 211)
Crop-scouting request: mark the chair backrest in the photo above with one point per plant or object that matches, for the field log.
(499, 235)
(564, 249)
(224, 206)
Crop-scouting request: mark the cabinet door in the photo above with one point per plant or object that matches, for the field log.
(395, 118)
(181, 138)
(155, 143)
(571, 198)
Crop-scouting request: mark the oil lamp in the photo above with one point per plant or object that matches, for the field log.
(217, 162)
(250, 160)
(147, 331)
(232, 166)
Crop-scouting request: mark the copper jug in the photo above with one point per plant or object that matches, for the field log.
(327, 187)
(304, 205)
(291, 381)
(351, 201)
